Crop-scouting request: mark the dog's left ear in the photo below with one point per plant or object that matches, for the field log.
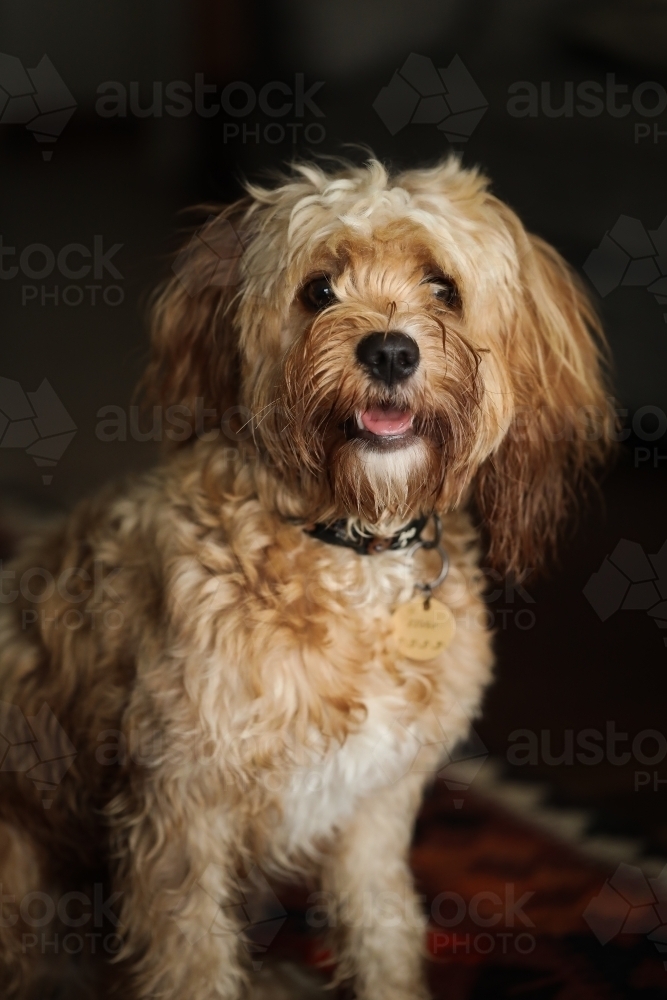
(194, 362)
(560, 424)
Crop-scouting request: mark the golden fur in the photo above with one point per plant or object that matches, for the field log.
(232, 693)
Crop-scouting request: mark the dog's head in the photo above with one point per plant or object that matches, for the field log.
(397, 345)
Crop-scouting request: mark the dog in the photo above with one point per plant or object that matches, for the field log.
(258, 654)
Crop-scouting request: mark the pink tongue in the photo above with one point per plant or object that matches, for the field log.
(383, 421)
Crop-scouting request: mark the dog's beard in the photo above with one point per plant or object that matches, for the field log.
(377, 485)
(312, 411)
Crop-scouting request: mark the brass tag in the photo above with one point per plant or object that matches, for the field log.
(421, 632)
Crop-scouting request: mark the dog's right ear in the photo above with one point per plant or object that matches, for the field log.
(194, 366)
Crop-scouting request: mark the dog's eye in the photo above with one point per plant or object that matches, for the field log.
(445, 290)
(318, 293)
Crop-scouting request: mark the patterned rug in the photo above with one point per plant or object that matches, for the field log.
(514, 910)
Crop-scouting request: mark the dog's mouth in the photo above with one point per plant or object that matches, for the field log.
(385, 426)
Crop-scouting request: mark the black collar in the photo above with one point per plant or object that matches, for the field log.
(337, 533)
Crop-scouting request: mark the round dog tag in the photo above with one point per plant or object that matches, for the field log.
(422, 629)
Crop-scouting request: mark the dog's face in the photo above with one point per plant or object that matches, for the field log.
(397, 345)
(373, 387)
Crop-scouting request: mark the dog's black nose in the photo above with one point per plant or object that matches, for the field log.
(390, 357)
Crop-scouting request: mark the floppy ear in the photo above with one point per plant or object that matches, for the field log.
(194, 362)
(560, 425)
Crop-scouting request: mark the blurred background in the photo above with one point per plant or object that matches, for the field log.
(142, 109)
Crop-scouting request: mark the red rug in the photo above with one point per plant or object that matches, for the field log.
(516, 913)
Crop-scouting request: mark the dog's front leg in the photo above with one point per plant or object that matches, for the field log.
(376, 914)
(180, 919)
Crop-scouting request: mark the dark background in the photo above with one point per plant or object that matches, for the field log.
(569, 177)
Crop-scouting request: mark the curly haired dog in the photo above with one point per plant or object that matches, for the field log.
(373, 351)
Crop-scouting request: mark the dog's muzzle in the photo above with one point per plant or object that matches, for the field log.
(388, 357)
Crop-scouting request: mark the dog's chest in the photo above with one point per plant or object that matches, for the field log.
(349, 716)
(358, 661)
(323, 794)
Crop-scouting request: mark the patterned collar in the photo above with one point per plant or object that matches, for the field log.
(337, 533)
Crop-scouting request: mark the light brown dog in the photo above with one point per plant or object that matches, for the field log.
(232, 687)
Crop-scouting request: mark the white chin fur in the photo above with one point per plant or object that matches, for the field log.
(395, 461)
(389, 472)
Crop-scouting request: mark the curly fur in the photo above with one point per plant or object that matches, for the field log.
(230, 685)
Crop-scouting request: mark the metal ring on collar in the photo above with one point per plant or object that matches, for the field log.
(434, 544)
(423, 543)
(444, 569)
